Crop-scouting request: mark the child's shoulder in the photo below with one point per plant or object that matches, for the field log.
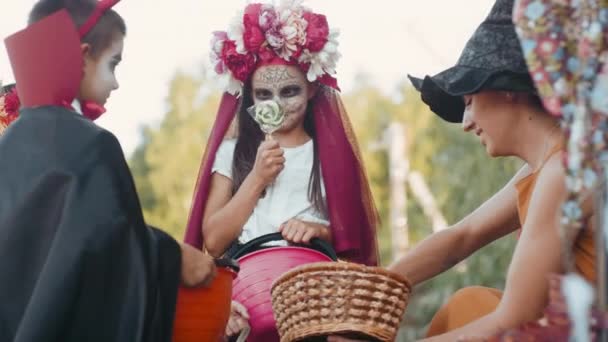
(230, 142)
(227, 146)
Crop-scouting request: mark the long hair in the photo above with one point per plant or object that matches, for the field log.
(249, 138)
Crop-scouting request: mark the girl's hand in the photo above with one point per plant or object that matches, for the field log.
(296, 231)
(239, 319)
(269, 162)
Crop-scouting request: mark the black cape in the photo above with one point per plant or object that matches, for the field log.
(77, 262)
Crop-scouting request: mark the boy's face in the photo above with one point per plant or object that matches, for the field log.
(99, 78)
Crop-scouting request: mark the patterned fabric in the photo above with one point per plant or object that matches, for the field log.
(564, 43)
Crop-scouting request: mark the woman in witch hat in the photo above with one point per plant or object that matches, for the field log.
(491, 94)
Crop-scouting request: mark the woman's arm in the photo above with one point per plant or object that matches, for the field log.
(441, 251)
(538, 254)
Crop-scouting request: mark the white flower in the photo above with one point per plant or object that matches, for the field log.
(572, 210)
(217, 44)
(230, 84)
(325, 61)
(579, 299)
(589, 177)
(291, 32)
(236, 30)
(289, 4)
(574, 183)
(599, 100)
(562, 87)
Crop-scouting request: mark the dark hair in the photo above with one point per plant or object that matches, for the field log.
(7, 88)
(109, 26)
(249, 138)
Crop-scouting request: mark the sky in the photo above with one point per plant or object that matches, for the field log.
(383, 39)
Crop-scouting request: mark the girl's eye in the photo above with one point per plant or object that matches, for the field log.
(290, 91)
(263, 94)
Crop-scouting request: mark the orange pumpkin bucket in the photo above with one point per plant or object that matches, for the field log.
(202, 313)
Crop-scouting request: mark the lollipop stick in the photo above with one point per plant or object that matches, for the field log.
(244, 334)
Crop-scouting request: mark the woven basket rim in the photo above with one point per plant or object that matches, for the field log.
(340, 266)
(337, 328)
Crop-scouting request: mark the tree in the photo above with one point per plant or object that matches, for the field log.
(166, 165)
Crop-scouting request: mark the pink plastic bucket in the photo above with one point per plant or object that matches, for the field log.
(260, 269)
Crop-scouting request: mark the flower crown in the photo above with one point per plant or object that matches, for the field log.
(9, 109)
(262, 33)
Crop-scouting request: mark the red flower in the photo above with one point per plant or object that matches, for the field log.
(316, 31)
(266, 54)
(9, 109)
(12, 103)
(240, 65)
(253, 37)
(304, 67)
(253, 11)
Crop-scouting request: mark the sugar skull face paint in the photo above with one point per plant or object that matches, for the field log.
(286, 85)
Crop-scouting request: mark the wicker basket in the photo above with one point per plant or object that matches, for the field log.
(339, 298)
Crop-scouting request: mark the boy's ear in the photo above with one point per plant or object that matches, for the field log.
(85, 49)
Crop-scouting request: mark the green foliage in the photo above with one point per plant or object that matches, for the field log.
(458, 172)
(457, 169)
(165, 166)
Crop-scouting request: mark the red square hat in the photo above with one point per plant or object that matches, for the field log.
(47, 60)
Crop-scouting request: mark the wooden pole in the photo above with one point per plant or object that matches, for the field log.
(426, 200)
(398, 171)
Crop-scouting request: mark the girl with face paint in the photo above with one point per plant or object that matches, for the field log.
(307, 181)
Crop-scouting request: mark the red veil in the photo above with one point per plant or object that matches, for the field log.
(352, 213)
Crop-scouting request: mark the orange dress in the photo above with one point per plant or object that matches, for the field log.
(472, 303)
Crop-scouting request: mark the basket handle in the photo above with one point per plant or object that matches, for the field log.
(315, 243)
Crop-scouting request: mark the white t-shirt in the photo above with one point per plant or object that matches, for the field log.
(285, 199)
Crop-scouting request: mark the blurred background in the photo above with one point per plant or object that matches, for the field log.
(425, 173)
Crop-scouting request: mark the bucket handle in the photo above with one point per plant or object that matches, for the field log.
(315, 243)
(228, 263)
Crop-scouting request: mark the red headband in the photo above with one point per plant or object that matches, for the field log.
(101, 8)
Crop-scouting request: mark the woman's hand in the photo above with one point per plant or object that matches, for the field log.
(239, 319)
(297, 231)
(269, 162)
